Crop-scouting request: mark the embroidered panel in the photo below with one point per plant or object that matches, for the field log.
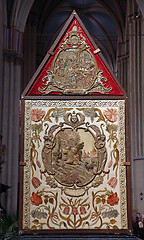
(74, 176)
(75, 68)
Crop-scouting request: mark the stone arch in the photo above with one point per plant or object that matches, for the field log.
(23, 14)
(20, 13)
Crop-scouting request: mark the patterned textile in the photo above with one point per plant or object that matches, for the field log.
(76, 68)
(74, 176)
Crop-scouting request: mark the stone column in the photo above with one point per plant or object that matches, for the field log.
(136, 102)
(122, 61)
(12, 25)
(130, 74)
(142, 83)
(10, 126)
(1, 63)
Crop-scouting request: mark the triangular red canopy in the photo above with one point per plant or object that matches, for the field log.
(62, 45)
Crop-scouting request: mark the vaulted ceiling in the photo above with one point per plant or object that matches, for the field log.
(104, 19)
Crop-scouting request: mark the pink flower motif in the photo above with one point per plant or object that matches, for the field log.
(36, 182)
(110, 164)
(94, 216)
(66, 210)
(74, 211)
(111, 114)
(82, 210)
(55, 217)
(113, 182)
(37, 114)
(38, 164)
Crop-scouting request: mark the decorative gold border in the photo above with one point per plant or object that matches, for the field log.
(26, 190)
(122, 169)
(74, 103)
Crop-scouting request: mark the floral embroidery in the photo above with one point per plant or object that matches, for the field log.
(38, 214)
(74, 211)
(51, 200)
(37, 114)
(82, 210)
(38, 164)
(90, 112)
(36, 199)
(113, 182)
(110, 164)
(113, 213)
(36, 182)
(55, 217)
(113, 199)
(66, 210)
(111, 114)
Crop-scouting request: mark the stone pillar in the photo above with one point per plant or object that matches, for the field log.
(142, 83)
(1, 62)
(122, 61)
(130, 74)
(136, 102)
(10, 124)
(135, 80)
(12, 24)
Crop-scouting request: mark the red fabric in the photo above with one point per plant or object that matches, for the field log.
(110, 81)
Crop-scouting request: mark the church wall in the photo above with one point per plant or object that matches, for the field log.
(130, 71)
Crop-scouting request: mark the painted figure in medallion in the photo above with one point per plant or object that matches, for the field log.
(74, 154)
